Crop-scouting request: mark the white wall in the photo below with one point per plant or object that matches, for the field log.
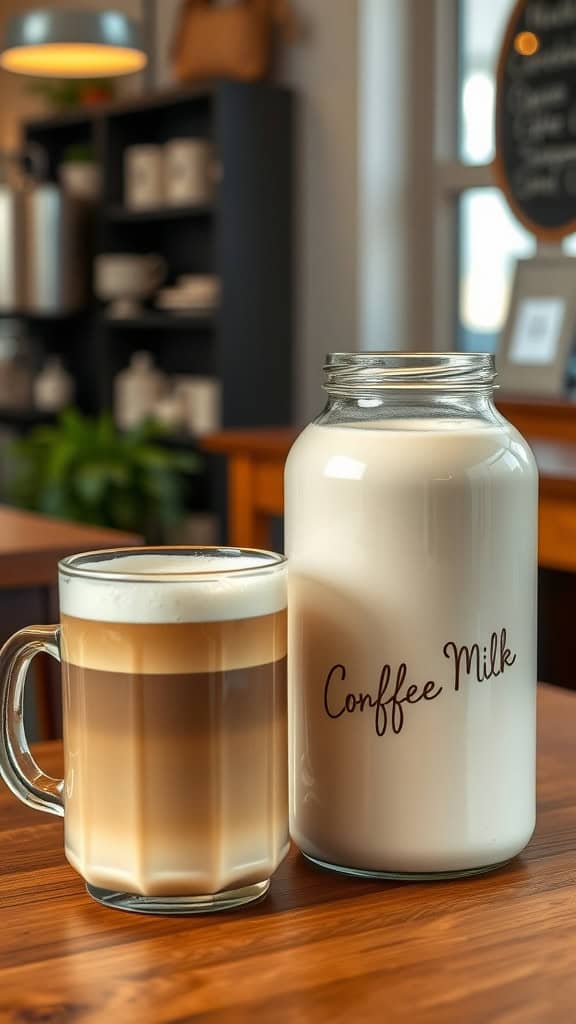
(323, 69)
(166, 22)
(397, 119)
(383, 159)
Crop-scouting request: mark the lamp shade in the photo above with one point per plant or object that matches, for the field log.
(72, 44)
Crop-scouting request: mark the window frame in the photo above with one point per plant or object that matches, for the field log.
(452, 176)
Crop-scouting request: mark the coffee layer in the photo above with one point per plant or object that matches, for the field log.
(172, 648)
(176, 784)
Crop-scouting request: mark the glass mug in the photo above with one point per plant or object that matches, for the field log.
(174, 795)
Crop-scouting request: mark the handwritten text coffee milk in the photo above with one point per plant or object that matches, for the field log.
(411, 511)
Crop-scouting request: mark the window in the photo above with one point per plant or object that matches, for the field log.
(490, 239)
(434, 223)
(482, 23)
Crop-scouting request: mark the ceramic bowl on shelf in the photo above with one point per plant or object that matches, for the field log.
(124, 280)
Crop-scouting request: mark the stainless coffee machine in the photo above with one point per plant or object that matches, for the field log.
(44, 248)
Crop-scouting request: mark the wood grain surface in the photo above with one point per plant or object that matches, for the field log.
(498, 949)
(31, 545)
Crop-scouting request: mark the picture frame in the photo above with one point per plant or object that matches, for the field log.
(540, 329)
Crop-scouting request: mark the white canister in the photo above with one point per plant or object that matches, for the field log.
(143, 176)
(53, 388)
(188, 171)
(81, 179)
(202, 397)
(137, 391)
(170, 410)
(411, 521)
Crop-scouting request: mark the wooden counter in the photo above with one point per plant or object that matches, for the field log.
(321, 949)
(256, 468)
(31, 546)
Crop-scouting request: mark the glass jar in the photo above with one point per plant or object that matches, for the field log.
(411, 532)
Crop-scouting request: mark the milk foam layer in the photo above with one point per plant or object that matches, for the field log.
(196, 597)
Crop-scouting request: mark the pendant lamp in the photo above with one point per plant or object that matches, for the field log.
(72, 44)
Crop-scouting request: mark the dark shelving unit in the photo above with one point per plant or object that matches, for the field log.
(22, 420)
(40, 317)
(124, 215)
(244, 237)
(157, 321)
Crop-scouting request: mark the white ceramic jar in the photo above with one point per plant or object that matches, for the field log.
(54, 387)
(188, 171)
(143, 176)
(137, 390)
(411, 521)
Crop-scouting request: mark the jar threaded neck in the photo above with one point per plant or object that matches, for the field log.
(364, 374)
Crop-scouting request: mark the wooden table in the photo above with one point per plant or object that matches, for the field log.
(255, 468)
(498, 949)
(31, 546)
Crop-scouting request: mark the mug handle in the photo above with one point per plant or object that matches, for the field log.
(17, 766)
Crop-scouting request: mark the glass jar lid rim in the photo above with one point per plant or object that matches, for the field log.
(348, 374)
(397, 357)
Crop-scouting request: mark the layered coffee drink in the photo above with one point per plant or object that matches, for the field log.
(174, 673)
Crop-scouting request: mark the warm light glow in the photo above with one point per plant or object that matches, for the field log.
(73, 60)
(478, 107)
(526, 44)
(484, 300)
(491, 242)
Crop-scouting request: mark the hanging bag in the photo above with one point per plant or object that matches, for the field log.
(228, 42)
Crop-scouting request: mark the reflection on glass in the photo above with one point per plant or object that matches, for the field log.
(491, 241)
(483, 24)
(569, 245)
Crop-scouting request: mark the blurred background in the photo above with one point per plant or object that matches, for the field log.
(197, 201)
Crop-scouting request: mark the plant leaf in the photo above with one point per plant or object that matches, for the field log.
(84, 468)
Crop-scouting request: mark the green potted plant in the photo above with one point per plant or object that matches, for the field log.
(85, 469)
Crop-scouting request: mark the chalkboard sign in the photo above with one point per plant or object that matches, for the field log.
(536, 116)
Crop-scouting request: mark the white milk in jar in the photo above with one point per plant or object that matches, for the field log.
(411, 523)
